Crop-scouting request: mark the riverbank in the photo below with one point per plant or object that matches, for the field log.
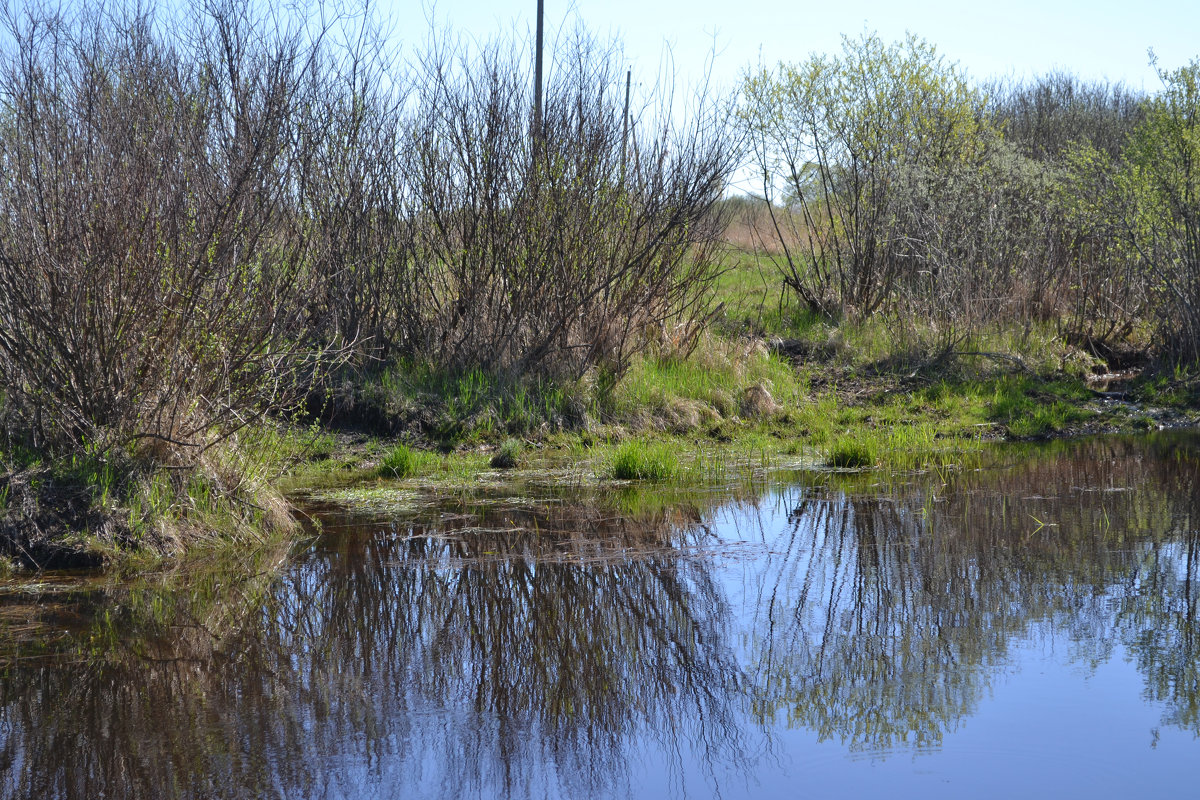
(736, 399)
(763, 382)
(824, 397)
(95, 511)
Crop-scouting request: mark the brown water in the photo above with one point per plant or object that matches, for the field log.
(1027, 626)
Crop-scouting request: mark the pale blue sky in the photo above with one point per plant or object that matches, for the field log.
(1098, 39)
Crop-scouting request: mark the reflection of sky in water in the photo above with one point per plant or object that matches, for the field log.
(1017, 629)
(1045, 729)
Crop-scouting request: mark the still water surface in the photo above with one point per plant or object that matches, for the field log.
(1024, 625)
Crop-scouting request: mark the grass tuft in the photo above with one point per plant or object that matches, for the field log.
(643, 461)
(851, 454)
(400, 462)
(508, 455)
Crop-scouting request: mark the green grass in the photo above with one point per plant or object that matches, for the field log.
(682, 394)
(1030, 408)
(508, 455)
(402, 462)
(645, 461)
(1170, 386)
(754, 299)
(851, 454)
(97, 472)
(141, 509)
(473, 405)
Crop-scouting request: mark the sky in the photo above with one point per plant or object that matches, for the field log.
(1098, 39)
(1018, 39)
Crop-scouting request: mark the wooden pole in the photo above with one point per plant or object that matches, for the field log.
(537, 69)
(625, 124)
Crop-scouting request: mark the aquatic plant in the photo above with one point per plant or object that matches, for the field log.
(400, 462)
(851, 454)
(635, 460)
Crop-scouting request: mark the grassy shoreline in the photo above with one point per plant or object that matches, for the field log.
(829, 398)
(669, 414)
(763, 382)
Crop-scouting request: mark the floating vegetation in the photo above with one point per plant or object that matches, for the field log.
(376, 499)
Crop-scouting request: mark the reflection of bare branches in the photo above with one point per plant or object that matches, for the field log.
(1157, 622)
(567, 660)
(855, 638)
(521, 648)
(546, 646)
(882, 618)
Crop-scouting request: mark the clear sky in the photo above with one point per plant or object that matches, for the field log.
(1095, 39)
(1100, 39)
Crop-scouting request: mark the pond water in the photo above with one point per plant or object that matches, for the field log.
(1024, 624)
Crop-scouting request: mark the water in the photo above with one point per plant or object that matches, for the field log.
(1027, 624)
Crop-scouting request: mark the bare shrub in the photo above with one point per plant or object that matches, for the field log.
(149, 262)
(352, 203)
(895, 187)
(982, 238)
(1049, 116)
(548, 250)
(1024, 231)
(1109, 299)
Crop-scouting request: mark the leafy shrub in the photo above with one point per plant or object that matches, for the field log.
(844, 136)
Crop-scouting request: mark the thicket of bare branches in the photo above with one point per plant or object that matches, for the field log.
(554, 247)
(1090, 281)
(353, 202)
(1048, 116)
(149, 262)
(200, 208)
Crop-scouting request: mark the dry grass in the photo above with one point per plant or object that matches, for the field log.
(751, 228)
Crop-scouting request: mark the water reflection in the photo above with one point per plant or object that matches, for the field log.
(552, 633)
(523, 648)
(412, 661)
(886, 617)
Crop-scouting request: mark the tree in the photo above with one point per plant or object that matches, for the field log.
(866, 121)
(1161, 187)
